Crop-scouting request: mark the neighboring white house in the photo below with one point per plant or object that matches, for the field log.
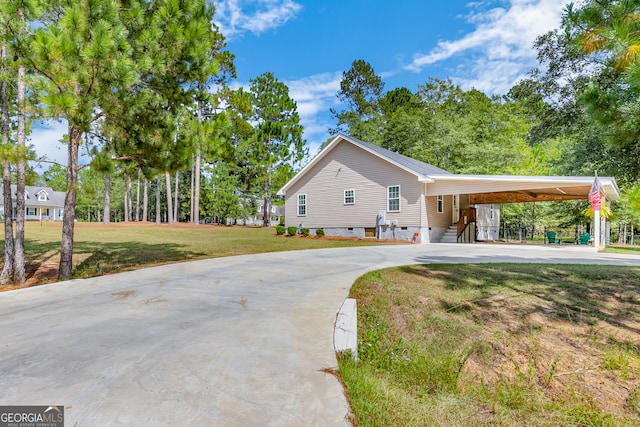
(353, 188)
(277, 212)
(41, 203)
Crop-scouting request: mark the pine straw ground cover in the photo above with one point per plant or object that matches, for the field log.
(496, 345)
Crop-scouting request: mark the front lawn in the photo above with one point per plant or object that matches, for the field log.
(101, 249)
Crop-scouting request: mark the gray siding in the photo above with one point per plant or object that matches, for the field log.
(439, 220)
(349, 167)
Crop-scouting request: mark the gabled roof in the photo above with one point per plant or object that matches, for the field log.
(56, 198)
(482, 188)
(421, 170)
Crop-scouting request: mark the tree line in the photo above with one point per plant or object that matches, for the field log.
(576, 113)
(143, 86)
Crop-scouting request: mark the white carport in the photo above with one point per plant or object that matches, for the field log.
(483, 189)
(498, 189)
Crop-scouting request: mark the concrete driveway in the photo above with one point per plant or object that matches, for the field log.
(237, 341)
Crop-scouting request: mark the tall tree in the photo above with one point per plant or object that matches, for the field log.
(360, 90)
(277, 144)
(608, 34)
(55, 177)
(19, 255)
(85, 58)
(7, 269)
(106, 58)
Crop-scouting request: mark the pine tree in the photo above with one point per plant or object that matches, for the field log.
(120, 60)
(277, 144)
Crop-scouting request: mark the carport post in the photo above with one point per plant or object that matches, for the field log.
(596, 232)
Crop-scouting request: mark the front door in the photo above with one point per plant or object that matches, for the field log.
(455, 209)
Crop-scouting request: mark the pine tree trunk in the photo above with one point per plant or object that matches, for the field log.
(107, 199)
(137, 218)
(167, 179)
(129, 198)
(193, 169)
(19, 259)
(98, 212)
(267, 202)
(196, 189)
(145, 201)
(267, 190)
(158, 183)
(175, 199)
(125, 199)
(6, 275)
(68, 221)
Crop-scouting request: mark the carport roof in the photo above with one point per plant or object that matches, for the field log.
(512, 189)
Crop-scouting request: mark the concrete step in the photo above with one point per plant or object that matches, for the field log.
(451, 235)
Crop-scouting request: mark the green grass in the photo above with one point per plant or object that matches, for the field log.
(496, 344)
(102, 249)
(623, 249)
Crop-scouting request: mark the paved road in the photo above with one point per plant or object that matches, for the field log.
(237, 341)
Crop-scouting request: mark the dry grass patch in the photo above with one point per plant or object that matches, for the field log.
(497, 344)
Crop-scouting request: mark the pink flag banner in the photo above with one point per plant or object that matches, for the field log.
(595, 197)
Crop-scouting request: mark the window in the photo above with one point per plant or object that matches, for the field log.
(42, 196)
(302, 204)
(32, 211)
(492, 211)
(349, 197)
(393, 198)
(259, 208)
(440, 204)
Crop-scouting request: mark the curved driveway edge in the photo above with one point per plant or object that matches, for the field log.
(232, 341)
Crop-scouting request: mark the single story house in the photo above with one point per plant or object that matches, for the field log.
(354, 188)
(41, 203)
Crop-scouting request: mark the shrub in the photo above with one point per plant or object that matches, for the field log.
(305, 232)
(320, 232)
(280, 230)
(292, 231)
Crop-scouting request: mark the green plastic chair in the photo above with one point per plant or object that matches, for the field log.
(584, 239)
(551, 237)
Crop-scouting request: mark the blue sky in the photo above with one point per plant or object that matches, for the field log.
(484, 44)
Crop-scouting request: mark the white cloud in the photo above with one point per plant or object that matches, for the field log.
(235, 17)
(314, 93)
(45, 137)
(500, 49)
(314, 96)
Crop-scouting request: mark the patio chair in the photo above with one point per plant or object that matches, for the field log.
(584, 239)
(551, 237)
